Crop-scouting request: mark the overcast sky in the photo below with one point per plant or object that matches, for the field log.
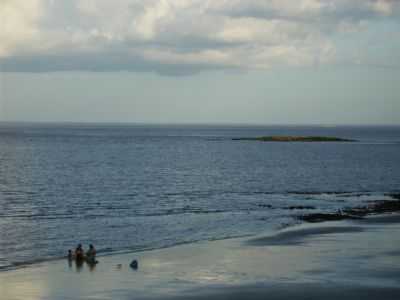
(199, 61)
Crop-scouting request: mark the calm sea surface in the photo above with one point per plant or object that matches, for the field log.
(131, 188)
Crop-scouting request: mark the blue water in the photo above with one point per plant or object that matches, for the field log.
(131, 187)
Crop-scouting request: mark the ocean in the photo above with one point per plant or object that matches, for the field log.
(128, 188)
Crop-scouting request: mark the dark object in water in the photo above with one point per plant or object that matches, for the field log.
(394, 196)
(377, 207)
(300, 207)
(134, 264)
(321, 217)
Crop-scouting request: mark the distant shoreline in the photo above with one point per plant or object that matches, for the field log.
(294, 139)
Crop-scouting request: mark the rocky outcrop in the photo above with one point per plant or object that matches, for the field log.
(294, 139)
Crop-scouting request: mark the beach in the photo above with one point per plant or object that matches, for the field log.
(352, 259)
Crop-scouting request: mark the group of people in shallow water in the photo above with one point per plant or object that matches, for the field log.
(79, 254)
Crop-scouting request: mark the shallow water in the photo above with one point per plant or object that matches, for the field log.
(125, 187)
(346, 260)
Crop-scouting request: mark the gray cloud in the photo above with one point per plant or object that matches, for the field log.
(102, 62)
(180, 37)
(313, 11)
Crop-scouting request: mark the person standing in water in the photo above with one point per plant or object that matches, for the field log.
(79, 253)
(91, 254)
(70, 255)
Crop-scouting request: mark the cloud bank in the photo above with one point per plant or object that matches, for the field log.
(181, 37)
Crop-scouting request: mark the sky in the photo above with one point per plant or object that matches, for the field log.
(192, 61)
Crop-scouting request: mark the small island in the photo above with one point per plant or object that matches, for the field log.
(294, 139)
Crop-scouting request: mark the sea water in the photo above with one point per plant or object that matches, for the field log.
(135, 187)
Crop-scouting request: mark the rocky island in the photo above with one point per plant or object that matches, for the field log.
(294, 139)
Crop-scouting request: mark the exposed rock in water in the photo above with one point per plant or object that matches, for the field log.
(294, 139)
(300, 207)
(376, 207)
(322, 217)
(287, 207)
(265, 205)
(394, 196)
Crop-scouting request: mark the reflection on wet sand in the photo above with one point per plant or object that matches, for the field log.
(306, 257)
(79, 264)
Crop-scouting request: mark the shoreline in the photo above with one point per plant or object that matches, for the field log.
(349, 258)
(374, 208)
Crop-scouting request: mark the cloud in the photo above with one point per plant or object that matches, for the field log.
(187, 36)
(19, 24)
(310, 10)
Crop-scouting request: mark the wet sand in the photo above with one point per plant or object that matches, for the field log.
(357, 259)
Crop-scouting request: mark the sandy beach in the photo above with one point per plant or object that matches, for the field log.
(347, 259)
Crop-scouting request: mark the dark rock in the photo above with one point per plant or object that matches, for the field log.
(394, 196)
(134, 264)
(300, 207)
(265, 205)
(294, 139)
(322, 217)
(377, 207)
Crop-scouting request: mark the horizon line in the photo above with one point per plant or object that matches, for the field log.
(132, 123)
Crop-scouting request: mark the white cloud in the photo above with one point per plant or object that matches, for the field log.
(19, 24)
(152, 34)
(382, 6)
